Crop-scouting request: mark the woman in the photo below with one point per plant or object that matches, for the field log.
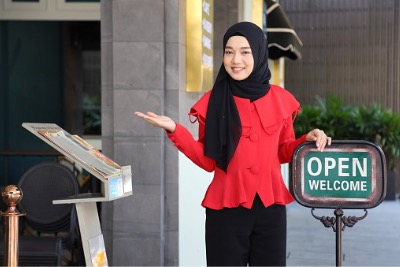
(245, 133)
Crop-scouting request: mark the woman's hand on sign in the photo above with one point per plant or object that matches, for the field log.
(160, 121)
(320, 138)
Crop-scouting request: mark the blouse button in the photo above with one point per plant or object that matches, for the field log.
(254, 170)
(254, 137)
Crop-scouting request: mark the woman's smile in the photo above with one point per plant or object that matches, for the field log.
(237, 69)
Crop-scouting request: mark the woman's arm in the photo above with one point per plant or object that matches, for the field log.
(288, 142)
(193, 149)
(182, 139)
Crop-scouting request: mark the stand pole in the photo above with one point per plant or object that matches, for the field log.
(339, 227)
(89, 225)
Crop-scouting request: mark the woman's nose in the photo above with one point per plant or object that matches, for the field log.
(236, 58)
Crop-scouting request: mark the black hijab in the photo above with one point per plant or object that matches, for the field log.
(223, 128)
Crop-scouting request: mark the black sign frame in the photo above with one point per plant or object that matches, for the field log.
(378, 172)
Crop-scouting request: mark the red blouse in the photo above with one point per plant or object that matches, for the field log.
(267, 141)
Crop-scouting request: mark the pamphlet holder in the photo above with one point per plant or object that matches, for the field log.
(116, 183)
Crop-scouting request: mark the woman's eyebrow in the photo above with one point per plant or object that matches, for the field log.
(243, 47)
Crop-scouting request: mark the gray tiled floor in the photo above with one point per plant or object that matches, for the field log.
(373, 241)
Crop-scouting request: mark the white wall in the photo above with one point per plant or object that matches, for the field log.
(193, 183)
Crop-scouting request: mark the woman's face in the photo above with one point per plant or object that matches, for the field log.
(238, 58)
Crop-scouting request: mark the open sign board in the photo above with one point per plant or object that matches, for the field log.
(347, 174)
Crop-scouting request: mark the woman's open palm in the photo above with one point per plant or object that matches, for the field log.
(160, 121)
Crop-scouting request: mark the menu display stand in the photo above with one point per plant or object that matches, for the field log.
(116, 183)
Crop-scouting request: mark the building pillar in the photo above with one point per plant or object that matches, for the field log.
(140, 72)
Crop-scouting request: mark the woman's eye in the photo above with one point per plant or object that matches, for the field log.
(228, 52)
(246, 52)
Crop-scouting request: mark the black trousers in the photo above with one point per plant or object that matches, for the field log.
(246, 237)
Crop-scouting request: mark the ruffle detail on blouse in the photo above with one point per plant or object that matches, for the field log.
(233, 195)
(282, 103)
(198, 111)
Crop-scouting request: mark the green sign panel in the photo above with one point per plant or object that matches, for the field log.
(338, 174)
(347, 174)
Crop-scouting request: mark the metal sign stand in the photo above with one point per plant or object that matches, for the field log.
(348, 174)
(338, 225)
